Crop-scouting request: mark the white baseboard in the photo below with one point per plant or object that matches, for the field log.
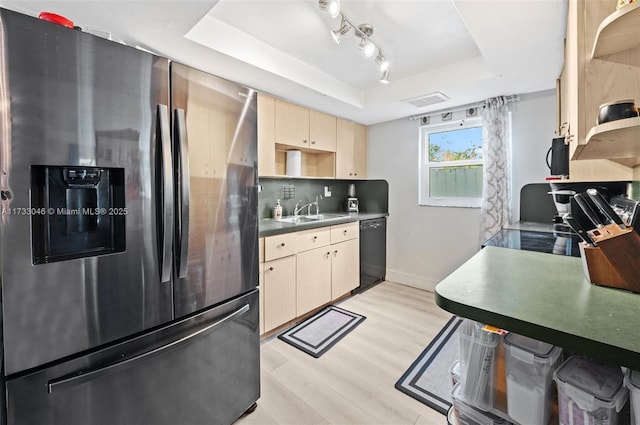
(409, 279)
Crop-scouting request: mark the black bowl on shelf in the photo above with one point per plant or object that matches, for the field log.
(620, 109)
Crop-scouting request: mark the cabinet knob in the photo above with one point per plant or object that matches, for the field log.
(335, 252)
(314, 238)
(351, 174)
(282, 244)
(313, 142)
(355, 174)
(271, 268)
(304, 141)
(345, 232)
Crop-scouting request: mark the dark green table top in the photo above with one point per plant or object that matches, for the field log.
(546, 297)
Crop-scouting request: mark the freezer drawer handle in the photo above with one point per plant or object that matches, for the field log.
(185, 188)
(167, 208)
(80, 377)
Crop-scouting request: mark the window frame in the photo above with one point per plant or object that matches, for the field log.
(424, 165)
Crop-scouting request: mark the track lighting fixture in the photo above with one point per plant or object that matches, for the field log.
(339, 33)
(363, 31)
(331, 6)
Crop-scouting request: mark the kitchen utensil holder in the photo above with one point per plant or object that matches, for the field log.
(615, 261)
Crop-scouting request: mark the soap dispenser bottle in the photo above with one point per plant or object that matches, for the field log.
(277, 211)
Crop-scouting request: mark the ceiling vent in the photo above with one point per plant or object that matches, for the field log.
(429, 99)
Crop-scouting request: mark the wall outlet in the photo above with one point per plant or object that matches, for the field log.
(327, 192)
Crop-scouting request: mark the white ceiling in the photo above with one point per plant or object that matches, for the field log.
(467, 49)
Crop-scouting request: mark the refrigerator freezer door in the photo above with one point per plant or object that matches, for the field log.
(215, 145)
(201, 370)
(82, 107)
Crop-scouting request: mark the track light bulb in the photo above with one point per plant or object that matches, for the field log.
(331, 6)
(338, 34)
(385, 77)
(382, 62)
(367, 47)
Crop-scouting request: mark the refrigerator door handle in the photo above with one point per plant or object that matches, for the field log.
(185, 189)
(167, 190)
(81, 377)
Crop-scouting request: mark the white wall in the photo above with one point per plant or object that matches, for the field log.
(425, 244)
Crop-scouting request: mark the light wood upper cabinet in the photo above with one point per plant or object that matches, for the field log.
(266, 135)
(586, 83)
(322, 131)
(301, 127)
(360, 150)
(351, 153)
(292, 124)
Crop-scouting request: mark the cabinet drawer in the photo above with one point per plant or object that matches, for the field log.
(314, 238)
(344, 232)
(279, 246)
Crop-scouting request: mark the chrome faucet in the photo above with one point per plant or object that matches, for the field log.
(296, 210)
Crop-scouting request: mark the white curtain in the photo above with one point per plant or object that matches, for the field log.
(496, 148)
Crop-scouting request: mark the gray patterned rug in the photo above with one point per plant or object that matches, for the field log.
(428, 380)
(322, 331)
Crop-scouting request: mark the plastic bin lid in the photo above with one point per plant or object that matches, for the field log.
(597, 379)
(533, 346)
(633, 378)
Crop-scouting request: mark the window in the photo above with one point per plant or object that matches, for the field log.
(451, 164)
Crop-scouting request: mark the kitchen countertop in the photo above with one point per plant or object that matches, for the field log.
(545, 297)
(270, 226)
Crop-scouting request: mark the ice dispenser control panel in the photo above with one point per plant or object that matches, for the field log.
(74, 226)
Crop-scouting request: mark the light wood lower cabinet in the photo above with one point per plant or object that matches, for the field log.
(313, 279)
(345, 275)
(306, 270)
(279, 292)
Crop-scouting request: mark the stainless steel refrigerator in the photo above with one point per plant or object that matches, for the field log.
(128, 234)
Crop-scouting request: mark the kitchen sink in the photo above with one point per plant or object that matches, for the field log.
(324, 216)
(297, 219)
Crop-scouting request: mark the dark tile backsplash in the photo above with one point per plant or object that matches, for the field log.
(373, 195)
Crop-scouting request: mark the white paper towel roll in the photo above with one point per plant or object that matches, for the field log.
(294, 163)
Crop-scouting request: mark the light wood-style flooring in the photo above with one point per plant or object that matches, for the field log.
(353, 383)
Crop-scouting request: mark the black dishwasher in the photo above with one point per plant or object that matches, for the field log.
(373, 251)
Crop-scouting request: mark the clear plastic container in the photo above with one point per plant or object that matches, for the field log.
(454, 371)
(529, 368)
(467, 414)
(632, 382)
(590, 393)
(477, 363)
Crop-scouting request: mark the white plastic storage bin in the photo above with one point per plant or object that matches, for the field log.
(529, 368)
(477, 363)
(467, 414)
(590, 393)
(454, 371)
(632, 382)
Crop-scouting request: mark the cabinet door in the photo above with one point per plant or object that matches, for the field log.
(261, 294)
(292, 124)
(279, 292)
(360, 151)
(344, 150)
(345, 267)
(322, 131)
(266, 135)
(313, 279)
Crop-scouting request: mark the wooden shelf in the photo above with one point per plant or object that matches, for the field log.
(619, 32)
(618, 141)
